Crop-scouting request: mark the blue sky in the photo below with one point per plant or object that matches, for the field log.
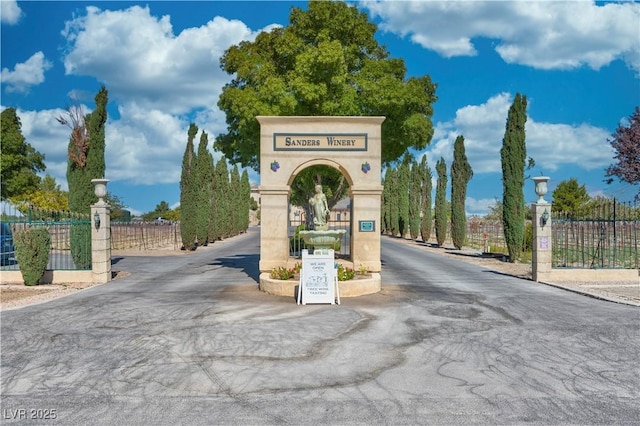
(578, 63)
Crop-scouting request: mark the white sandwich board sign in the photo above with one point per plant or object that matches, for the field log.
(318, 278)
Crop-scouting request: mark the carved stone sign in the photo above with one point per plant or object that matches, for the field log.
(320, 142)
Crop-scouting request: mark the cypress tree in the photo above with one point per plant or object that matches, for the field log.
(404, 175)
(235, 203)
(441, 202)
(394, 198)
(386, 199)
(513, 155)
(202, 196)
(222, 217)
(188, 193)
(210, 186)
(415, 192)
(461, 173)
(426, 187)
(245, 186)
(85, 162)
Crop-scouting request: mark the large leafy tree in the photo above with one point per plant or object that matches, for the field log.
(326, 62)
(19, 161)
(188, 190)
(626, 144)
(48, 196)
(513, 155)
(570, 197)
(441, 202)
(461, 174)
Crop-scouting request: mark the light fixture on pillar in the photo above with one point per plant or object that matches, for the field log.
(96, 220)
(545, 217)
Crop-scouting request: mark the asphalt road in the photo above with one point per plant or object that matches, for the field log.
(190, 340)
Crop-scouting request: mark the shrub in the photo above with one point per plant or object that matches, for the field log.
(345, 274)
(81, 245)
(32, 253)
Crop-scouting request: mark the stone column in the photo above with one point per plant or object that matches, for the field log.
(274, 221)
(100, 235)
(365, 244)
(541, 260)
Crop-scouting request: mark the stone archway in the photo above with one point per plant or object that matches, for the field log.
(350, 144)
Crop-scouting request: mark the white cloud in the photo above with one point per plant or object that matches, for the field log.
(45, 134)
(10, 12)
(551, 145)
(138, 57)
(27, 74)
(544, 35)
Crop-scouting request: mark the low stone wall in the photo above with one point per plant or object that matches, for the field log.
(51, 277)
(352, 288)
(596, 275)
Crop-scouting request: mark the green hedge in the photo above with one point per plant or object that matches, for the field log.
(32, 252)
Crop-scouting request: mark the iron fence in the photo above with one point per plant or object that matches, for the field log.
(296, 244)
(605, 236)
(60, 225)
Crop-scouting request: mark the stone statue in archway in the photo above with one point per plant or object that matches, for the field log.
(320, 209)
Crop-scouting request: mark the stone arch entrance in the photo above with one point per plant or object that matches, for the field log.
(352, 145)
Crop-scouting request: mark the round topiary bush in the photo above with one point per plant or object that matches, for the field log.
(32, 253)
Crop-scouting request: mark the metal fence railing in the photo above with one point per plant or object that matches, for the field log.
(61, 225)
(296, 244)
(604, 236)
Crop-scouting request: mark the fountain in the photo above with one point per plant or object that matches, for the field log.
(321, 237)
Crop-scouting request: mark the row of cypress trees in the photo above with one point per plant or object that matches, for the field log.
(214, 203)
(407, 202)
(400, 211)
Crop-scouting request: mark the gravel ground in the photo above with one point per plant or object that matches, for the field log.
(15, 295)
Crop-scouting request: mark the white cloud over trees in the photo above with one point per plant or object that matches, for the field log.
(540, 34)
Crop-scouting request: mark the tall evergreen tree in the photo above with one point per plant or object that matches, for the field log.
(513, 155)
(404, 175)
(394, 198)
(461, 174)
(415, 192)
(210, 188)
(426, 187)
(202, 195)
(441, 202)
(19, 161)
(85, 162)
(235, 203)
(245, 190)
(188, 216)
(221, 196)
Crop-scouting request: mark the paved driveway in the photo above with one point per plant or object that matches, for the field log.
(190, 340)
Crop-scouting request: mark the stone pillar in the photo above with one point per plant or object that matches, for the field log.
(274, 221)
(541, 260)
(365, 243)
(541, 209)
(100, 234)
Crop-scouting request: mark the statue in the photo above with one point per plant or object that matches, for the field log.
(320, 209)
(321, 238)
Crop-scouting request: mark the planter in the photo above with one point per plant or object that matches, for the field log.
(541, 188)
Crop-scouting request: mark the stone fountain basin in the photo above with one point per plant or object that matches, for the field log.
(322, 239)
